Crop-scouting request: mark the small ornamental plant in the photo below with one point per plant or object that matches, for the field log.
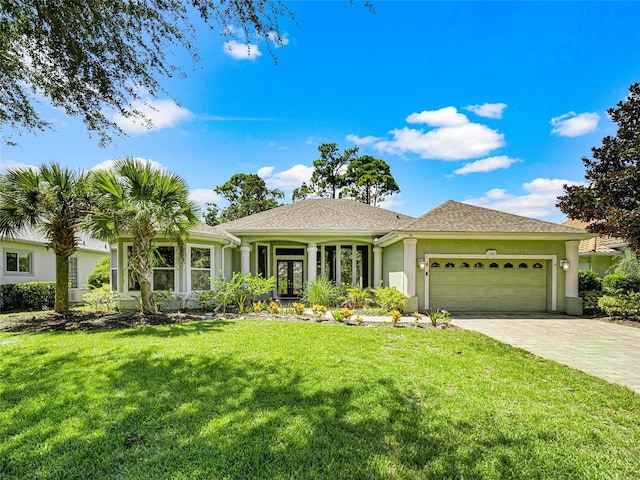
(257, 306)
(395, 317)
(346, 313)
(273, 307)
(298, 308)
(337, 315)
(319, 311)
(417, 317)
(437, 316)
(446, 317)
(359, 320)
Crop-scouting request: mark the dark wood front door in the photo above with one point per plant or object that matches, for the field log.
(290, 278)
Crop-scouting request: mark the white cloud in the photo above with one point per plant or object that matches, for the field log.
(242, 51)
(160, 113)
(539, 201)
(108, 164)
(488, 110)
(273, 38)
(487, 165)
(203, 195)
(445, 117)
(459, 142)
(286, 179)
(573, 125)
(368, 140)
(4, 165)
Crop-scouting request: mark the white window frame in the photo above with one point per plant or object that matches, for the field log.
(74, 259)
(18, 252)
(211, 269)
(113, 254)
(153, 287)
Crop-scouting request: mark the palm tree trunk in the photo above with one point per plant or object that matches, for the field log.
(145, 295)
(62, 284)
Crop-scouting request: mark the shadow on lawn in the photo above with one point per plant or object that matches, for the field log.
(218, 416)
(177, 329)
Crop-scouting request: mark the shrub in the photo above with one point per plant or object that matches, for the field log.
(590, 300)
(588, 280)
(347, 313)
(620, 305)
(437, 316)
(357, 297)
(206, 300)
(28, 296)
(100, 274)
(322, 292)
(395, 316)
(337, 315)
(417, 317)
(628, 264)
(274, 307)
(620, 283)
(101, 298)
(389, 298)
(319, 311)
(298, 308)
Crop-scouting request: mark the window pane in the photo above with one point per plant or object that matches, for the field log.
(73, 272)
(346, 258)
(362, 269)
(200, 258)
(165, 256)
(12, 262)
(200, 280)
(330, 262)
(114, 280)
(24, 262)
(133, 281)
(163, 279)
(262, 261)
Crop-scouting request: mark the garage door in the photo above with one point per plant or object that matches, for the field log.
(462, 285)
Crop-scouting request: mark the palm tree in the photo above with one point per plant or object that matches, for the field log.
(140, 201)
(52, 200)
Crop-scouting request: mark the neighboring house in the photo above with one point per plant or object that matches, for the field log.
(457, 256)
(26, 259)
(598, 253)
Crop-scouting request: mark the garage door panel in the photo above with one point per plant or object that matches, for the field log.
(492, 287)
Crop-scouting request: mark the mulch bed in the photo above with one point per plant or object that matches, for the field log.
(80, 320)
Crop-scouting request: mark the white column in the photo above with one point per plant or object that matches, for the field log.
(245, 264)
(410, 266)
(571, 275)
(312, 257)
(377, 266)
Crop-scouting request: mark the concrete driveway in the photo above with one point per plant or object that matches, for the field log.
(605, 350)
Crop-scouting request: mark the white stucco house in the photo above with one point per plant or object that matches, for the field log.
(25, 258)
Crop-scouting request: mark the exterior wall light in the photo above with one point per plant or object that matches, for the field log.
(491, 253)
(421, 263)
(564, 264)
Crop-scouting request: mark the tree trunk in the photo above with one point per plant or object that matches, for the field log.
(145, 295)
(62, 284)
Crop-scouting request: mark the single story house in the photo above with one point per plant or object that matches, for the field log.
(456, 256)
(27, 259)
(598, 253)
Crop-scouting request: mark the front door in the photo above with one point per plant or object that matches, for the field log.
(290, 278)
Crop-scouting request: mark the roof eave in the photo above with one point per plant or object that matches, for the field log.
(396, 236)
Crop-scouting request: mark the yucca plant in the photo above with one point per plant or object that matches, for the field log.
(322, 292)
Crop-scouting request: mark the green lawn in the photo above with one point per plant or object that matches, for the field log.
(267, 399)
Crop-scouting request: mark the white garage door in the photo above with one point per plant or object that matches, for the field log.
(466, 285)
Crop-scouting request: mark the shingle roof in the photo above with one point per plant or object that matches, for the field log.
(85, 241)
(599, 244)
(454, 216)
(322, 214)
(213, 230)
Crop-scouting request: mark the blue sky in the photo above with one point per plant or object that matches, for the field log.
(490, 103)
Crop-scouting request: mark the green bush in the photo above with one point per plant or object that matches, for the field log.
(100, 274)
(389, 298)
(627, 306)
(28, 296)
(590, 300)
(322, 292)
(357, 297)
(588, 281)
(628, 264)
(620, 283)
(101, 298)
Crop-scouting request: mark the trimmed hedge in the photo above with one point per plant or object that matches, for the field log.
(27, 296)
(620, 283)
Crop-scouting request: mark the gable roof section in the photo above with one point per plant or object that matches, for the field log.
(85, 241)
(323, 214)
(209, 230)
(454, 216)
(600, 244)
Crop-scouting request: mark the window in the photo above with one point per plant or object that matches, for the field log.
(435, 265)
(163, 277)
(164, 272)
(523, 265)
(113, 265)
(262, 260)
(493, 265)
(17, 262)
(200, 268)
(449, 265)
(73, 272)
(479, 265)
(346, 262)
(537, 265)
(508, 265)
(464, 265)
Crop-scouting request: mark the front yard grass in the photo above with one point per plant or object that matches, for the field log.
(266, 399)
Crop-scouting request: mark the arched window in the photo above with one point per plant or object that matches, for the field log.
(479, 265)
(449, 265)
(523, 265)
(464, 265)
(435, 265)
(537, 265)
(508, 265)
(493, 265)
